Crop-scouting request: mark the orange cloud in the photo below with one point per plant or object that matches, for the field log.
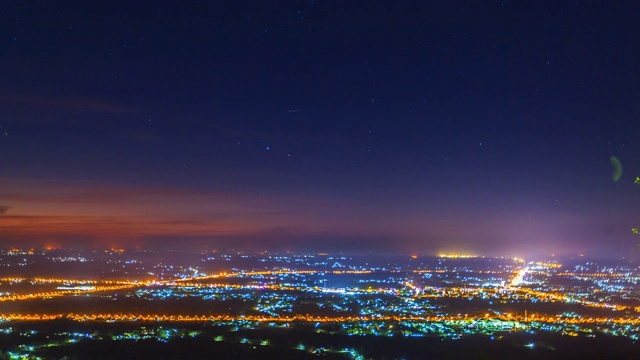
(94, 210)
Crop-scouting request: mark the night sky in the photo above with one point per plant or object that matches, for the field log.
(359, 126)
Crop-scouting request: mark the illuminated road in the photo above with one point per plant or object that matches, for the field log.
(73, 287)
(109, 317)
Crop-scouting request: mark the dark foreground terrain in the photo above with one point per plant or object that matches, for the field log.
(71, 340)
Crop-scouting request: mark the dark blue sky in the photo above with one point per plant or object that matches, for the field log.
(327, 125)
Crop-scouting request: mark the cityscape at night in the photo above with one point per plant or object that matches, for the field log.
(333, 179)
(251, 301)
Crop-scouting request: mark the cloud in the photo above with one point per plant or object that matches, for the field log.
(99, 212)
(50, 209)
(38, 107)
